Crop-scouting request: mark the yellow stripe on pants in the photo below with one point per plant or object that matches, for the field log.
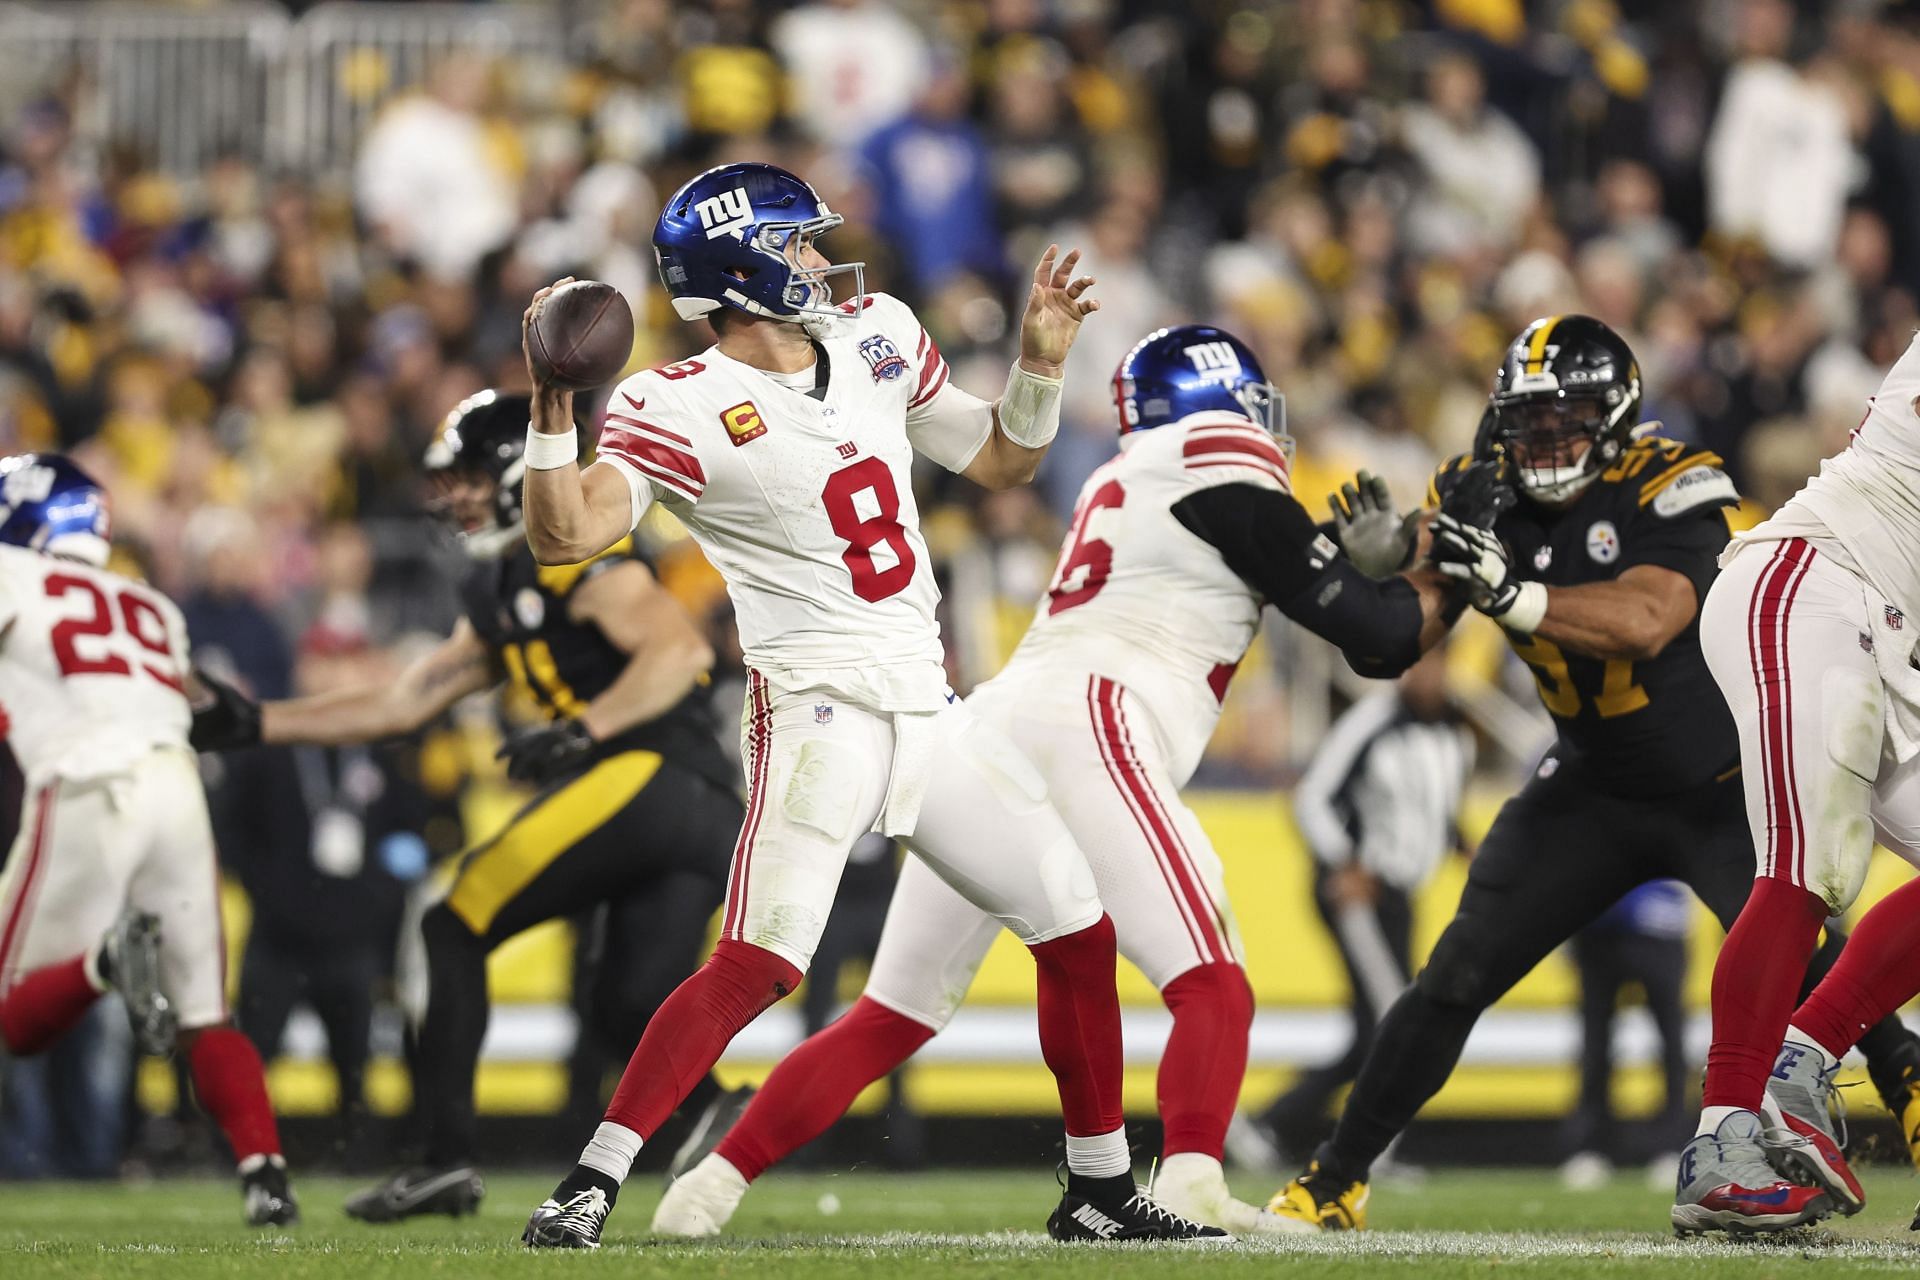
(496, 873)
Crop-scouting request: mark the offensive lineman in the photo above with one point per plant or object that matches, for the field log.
(785, 449)
(1592, 546)
(1176, 545)
(112, 881)
(637, 807)
(1810, 634)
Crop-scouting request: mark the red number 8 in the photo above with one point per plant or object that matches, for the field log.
(862, 535)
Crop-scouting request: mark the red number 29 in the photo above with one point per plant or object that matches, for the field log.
(1087, 562)
(863, 533)
(141, 619)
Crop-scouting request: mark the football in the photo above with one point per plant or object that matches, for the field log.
(582, 335)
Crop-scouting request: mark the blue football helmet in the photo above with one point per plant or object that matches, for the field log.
(1192, 368)
(723, 241)
(49, 504)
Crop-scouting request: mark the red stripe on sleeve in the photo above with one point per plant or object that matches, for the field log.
(635, 447)
(931, 391)
(1239, 442)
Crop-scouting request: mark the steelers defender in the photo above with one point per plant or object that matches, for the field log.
(1592, 544)
(637, 807)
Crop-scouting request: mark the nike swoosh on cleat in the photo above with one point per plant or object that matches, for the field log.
(1755, 1197)
(409, 1196)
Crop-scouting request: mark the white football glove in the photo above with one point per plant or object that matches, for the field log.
(1478, 559)
(1376, 539)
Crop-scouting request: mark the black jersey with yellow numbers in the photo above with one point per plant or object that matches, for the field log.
(1654, 726)
(519, 607)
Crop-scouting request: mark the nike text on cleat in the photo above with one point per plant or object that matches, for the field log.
(130, 961)
(266, 1197)
(453, 1190)
(1138, 1219)
(1810, 1150)
(574, 1223)
(1725, 1183)
(1321, 1202)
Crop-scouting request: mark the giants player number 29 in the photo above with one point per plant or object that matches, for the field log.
(83, 644)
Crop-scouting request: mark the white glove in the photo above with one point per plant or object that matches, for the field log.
(1376, 539)
(1478, 559)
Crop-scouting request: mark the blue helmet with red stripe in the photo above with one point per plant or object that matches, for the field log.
(1194, 368)
(48, 504)
(729, 238)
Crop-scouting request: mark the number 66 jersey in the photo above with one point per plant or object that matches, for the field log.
(92, 667)
(797, 487)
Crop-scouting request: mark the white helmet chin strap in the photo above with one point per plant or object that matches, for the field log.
(492, 542)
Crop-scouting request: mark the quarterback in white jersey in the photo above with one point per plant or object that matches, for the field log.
(111, 881)
(1810, 632)
(1176, 545)
(785, 449)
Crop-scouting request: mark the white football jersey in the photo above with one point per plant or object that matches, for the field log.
(804, 503)
(1868, 495)
(92, 667)
(1140, 599)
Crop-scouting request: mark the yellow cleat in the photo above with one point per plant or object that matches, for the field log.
(1322, 1201)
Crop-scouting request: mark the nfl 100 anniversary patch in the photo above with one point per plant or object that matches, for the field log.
(882, 357)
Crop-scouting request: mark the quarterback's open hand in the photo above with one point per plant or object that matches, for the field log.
(224, 718)
(1478, 560)
(540, 754)
(1376, 539)
(1056, 304)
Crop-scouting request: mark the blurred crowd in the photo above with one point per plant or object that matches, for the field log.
(1375, 194)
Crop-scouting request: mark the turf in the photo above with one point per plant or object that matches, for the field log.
(1455, 1224)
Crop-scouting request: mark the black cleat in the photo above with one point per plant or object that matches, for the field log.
(570, 1223)
(1138, 1218)
(453, 1190)
(269, 1199)
(715, 1119)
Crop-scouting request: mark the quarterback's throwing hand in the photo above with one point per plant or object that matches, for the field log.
(1056, 305)
(1478, 559)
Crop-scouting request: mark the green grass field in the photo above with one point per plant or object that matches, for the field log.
(980, 1224)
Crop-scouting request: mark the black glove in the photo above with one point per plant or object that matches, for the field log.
(228, 721)
(1377, 539)
(539, 755)
(1477, 559)
(1481, 494)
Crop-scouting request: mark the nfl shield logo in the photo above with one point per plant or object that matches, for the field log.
(1895, 619)
(823, 713)
(882, 357)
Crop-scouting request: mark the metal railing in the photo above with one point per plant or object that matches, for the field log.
(179, 88)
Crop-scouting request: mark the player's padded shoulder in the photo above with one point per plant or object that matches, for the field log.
(1670, 478)
(1224, 449)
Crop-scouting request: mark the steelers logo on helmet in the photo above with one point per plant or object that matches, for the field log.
(1564, 405)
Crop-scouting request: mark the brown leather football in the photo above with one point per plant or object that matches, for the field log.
(582, 335)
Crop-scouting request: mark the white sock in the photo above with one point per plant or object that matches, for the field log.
(612, 1150)
(1710, 1118)
(1798, 1037)
(1102, 1156)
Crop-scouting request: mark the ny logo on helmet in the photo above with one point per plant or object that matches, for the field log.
(1214, 358)
(27, 484)
(728, 213)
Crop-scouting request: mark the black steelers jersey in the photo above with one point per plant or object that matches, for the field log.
(519, 607)
(1654, 726)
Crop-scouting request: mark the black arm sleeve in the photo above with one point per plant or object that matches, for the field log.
(1267, 538)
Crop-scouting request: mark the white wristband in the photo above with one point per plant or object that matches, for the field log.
(550, 452)
(1528, 610)
(1030, 408)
